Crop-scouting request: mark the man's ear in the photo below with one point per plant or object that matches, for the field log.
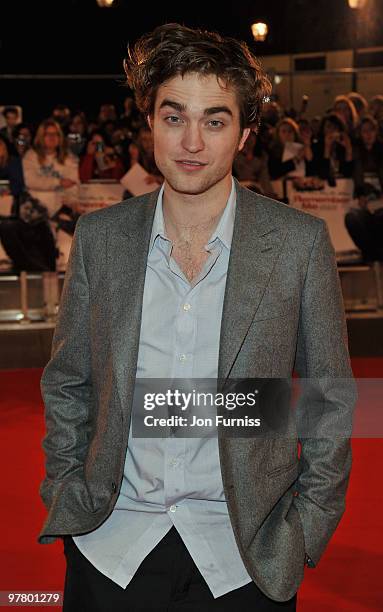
(149, 120)
(244, 136)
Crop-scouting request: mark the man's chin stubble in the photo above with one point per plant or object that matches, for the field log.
(186, 187)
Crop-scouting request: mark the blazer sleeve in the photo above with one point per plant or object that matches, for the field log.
(325, 409)
(66, 384)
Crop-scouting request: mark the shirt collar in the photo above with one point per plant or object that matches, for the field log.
(225, 227)
(158, 228)
(223, 231)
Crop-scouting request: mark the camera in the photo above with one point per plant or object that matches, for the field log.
(21, 141)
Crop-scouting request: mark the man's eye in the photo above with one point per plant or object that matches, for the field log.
(215, 123)
(172, 119)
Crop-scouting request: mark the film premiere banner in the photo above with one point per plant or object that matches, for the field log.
(331, 204)
(91, 196)
(96, 195)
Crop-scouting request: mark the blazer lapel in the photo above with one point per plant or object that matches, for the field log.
(127, 252)
(257, 240)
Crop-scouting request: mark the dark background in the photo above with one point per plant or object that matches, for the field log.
(78, 37)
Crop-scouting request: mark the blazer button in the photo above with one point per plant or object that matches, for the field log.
(114, 486)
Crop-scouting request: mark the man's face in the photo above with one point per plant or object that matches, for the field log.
(196, 132)
(11, 119)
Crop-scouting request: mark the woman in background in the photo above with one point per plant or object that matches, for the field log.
(332, 152)
(360, 103)
(50, 170)
(51, 180)
(344, 107)
(287, 131)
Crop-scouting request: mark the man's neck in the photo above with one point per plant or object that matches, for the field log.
(190, 220)
(192, 210)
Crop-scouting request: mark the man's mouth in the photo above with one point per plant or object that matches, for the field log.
(190, 164)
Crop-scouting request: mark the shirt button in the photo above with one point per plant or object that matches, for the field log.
(182, 357)
(186, 307)
(173, 508)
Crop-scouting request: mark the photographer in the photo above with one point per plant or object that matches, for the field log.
(287, 132)
(365, 227)
(23, 139)
(77, 134)
(332, 152)
(100, 161)
(368, 158)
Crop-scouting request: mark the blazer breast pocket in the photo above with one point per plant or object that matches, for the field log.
(273, 309)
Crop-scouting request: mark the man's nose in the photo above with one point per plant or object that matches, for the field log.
(192, 139)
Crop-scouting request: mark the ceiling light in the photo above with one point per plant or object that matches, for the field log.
(356, 4)
(105, 3)
(259, 31)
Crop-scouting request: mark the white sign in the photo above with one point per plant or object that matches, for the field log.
(329, 203)
(290, 151)
(137, 181)
(93, 196)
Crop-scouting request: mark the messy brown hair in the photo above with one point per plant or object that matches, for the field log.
(172, 50)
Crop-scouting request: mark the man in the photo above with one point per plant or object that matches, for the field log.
(11, 116)
(201, 279)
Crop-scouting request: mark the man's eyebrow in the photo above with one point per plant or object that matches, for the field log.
(218, 109)
(181, 108)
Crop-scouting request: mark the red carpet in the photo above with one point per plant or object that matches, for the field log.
(349, 577)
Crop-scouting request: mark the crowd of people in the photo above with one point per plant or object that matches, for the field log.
(67, 148)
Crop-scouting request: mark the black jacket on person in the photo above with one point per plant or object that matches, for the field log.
(367, 161)
(321, 167)
(278, 168)
(13, 172)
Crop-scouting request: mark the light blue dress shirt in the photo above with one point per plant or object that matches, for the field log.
(172, 480)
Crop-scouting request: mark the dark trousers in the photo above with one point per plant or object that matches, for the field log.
(167, 579)
(31, 247)
(366, 230)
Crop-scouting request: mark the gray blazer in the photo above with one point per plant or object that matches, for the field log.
(283, 310)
